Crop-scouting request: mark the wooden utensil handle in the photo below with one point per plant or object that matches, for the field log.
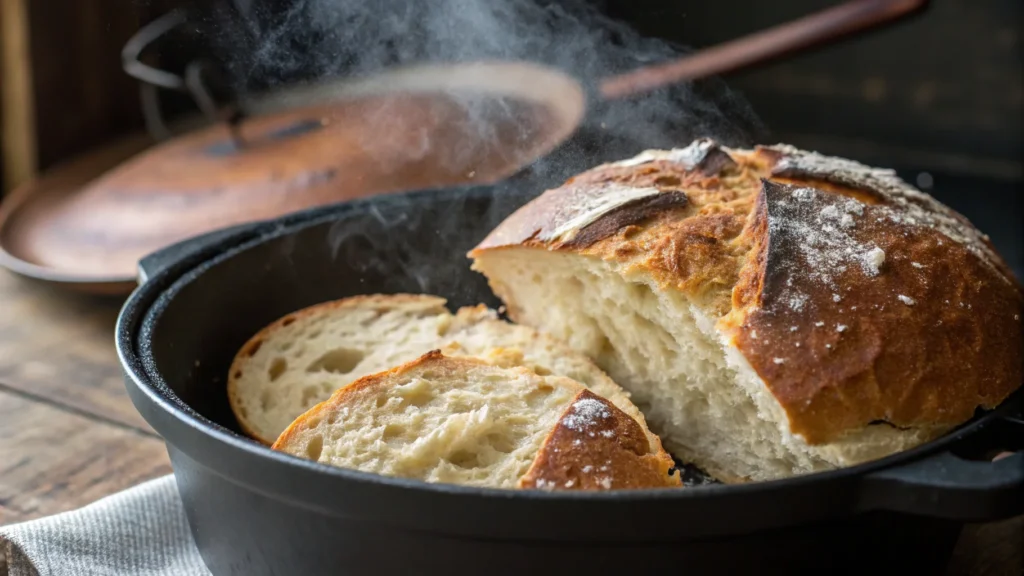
(822, 27)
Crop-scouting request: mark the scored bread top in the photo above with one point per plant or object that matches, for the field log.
(855, 297)
(302, 358)
(466, 421)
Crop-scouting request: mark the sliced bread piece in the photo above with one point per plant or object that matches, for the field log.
(302, 358)
(466, 421)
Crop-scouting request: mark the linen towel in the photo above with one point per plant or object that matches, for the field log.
(141, 531)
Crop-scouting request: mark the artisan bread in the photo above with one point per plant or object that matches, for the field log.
(466, 421)
(773, 311)
(302, 358)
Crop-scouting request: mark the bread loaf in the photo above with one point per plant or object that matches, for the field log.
(465, 421)
(772, 311)
(301, 359)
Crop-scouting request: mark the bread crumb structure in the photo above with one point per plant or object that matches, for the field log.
(772, 311)
(301, 359)
(466, 421)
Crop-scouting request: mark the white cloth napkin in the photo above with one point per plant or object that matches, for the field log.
(140, 532)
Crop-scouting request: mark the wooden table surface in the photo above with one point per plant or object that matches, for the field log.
(69, 434)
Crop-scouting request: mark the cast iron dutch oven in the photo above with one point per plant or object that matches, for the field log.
(253, 511)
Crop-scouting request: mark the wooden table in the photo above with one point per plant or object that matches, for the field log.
(69, 434)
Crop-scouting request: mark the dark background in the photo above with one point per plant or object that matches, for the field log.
(942, 92)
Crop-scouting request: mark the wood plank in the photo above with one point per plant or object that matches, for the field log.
(83, 97)
(59, 346)
(52, 460)
(17, 104)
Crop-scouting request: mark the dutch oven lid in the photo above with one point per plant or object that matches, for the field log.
(422, 127)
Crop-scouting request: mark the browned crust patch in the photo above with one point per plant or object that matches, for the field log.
(596, 446)
(920, 344)
(628, 214)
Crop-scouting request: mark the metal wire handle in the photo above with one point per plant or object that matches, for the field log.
(192, 83)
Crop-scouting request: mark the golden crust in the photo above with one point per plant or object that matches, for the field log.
(857, 299)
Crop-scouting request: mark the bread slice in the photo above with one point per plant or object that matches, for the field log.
(301, 359)
(466, 421)
(773, 311)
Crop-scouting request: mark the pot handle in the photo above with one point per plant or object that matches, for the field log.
(194, 249)
(946, 485)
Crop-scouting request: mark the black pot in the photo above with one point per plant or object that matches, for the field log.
(254, 511)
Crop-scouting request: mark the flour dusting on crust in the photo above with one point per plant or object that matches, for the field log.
(821, 236)
(585, 414)
(904, 203)
(689, 157)
(594, 204)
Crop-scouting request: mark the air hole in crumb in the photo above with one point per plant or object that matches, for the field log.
(501, 442)
(288, 321)
(536, 397)
(254, 348)
(314, 334)
(310, 394)
(277, 367)
(315, 447)
(267, 400)
(605, 347)
(418, 398)
(337, 361)
(238, 374)
(464, 459)
(541, 371)
(392, 431)
(667, 181)
(382, 400)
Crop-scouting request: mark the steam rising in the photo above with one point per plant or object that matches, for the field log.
(407, 247)
(270, 43)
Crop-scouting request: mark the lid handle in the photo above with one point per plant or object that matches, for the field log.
(199, 76)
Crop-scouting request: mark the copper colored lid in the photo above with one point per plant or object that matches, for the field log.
(28, 207)
(408, 130)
